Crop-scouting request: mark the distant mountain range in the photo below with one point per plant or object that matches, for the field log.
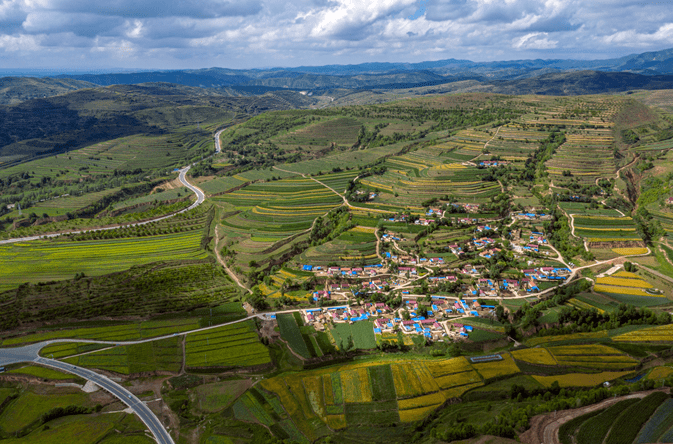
(385, 75)
(651, 70)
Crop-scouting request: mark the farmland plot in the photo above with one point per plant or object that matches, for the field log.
(235, 345)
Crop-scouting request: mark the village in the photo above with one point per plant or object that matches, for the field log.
(436, 295)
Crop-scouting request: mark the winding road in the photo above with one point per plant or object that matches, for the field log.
(140, 408)
(30, 353)
(200, 197)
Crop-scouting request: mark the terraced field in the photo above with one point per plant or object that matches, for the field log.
(421, 175)
(377, 393)
(625, 284)
(587, 154)
(352, 247)
(264, 219)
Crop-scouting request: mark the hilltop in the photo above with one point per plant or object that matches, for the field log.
(18, 89)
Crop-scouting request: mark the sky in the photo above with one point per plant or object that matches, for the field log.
(185, 34)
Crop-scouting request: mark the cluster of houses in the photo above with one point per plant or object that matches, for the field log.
(547, 273)
(492, 163)
(366, 271)
(408, 319)
(532, 216)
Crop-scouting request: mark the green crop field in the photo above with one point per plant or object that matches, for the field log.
(30, 405)
(41, 261)
(140, 291)
(42, 372)
(626, 427)
(235, 345)
(162, 355)
(290, 332)
(361, 332)
(113, 428)
(351, 248)
(217, 396)
(597, 427)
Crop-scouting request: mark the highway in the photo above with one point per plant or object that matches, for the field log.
(144, 413)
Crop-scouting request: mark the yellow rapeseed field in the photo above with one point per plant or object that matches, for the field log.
(328, 392)
(428, 383)
(579, 350)
(415, 414)
(360, 229)
(624, 282)
(406, 382)
(547, 339)
(355, 385)
(497, 368)
(534, 356)
(654, 334)
(629, 251)
(623, 290)
(660, 373)
(336, 422)
(626, 274)
(448, 366)
(457, 379)
(421, 401)
(314, 393)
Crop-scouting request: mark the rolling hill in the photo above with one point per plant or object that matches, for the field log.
(55, 124)
(18, 89)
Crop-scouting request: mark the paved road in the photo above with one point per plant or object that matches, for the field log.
(144, 413)
(200, 197)
(199, 200)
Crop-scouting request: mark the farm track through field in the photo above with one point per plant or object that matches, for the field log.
(654, 272)
(345, 201)
(200, 197)
(635, 159)
(486, 145)
(572, 228)
(224, 264)
(544, 428)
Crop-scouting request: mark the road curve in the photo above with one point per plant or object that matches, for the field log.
(200, 197)
(144, 413)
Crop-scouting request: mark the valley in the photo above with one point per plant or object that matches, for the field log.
(430, 268)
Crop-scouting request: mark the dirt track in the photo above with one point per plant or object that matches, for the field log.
(544, 428)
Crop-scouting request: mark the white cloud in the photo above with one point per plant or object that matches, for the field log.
(248, 33)
(663, 35)
(534, 40)
(19, 43)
